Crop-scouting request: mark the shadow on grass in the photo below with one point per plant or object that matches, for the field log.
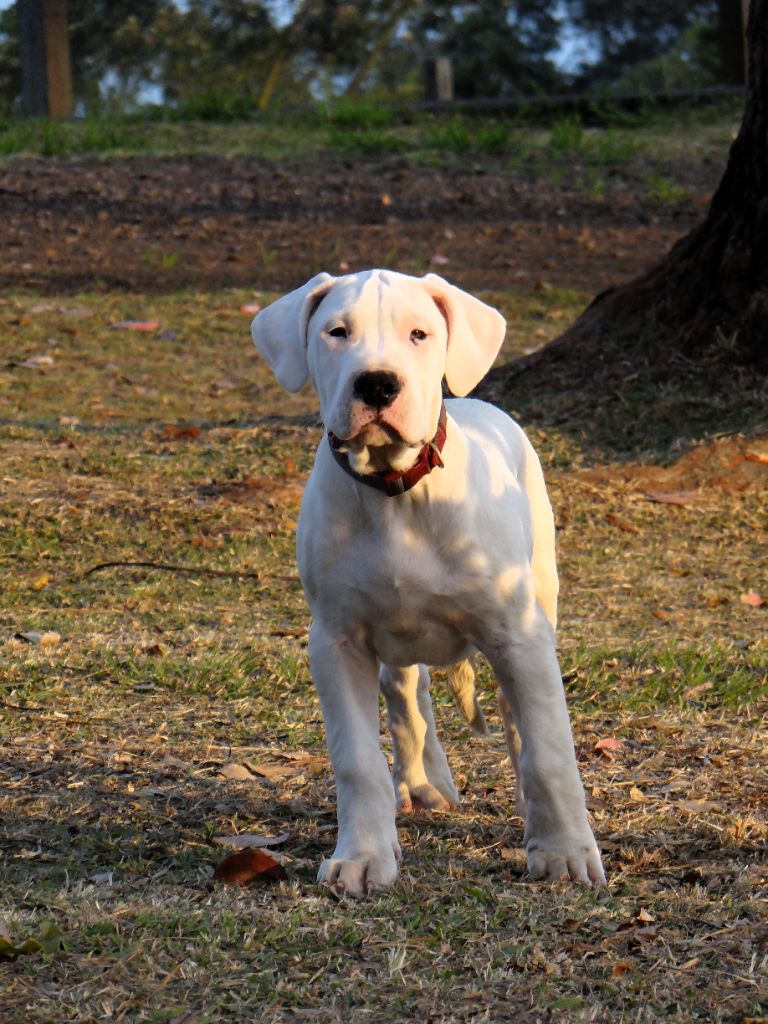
(624, 402)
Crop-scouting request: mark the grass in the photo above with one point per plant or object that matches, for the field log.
(608, 142)
(176, 447)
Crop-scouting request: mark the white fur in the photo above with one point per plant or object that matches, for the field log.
(463, 562)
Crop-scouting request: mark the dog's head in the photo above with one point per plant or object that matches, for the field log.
(376, 346)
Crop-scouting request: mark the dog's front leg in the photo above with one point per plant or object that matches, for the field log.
(558, 840)
(367, 850)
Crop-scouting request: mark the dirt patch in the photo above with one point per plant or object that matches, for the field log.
(160, 224)
(733, 466)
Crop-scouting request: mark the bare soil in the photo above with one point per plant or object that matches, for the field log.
(160, 224)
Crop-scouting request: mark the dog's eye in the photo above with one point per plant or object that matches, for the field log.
(338, 332)
(418, 335)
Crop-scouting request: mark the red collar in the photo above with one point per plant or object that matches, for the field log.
(393, 482)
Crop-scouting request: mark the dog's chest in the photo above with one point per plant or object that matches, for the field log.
(412, 592)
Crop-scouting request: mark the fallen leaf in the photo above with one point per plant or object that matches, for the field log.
(695, 691)
(41, 581)
(137, 325)
(235, 772)
(273, 772)
(638, 795)
(48, 940)
(621, 968)
(753, 599)
(609, 743)
(30, 637)
(249, 867)
(694, 806)
(248, 841)
(38, 362)
(622, 524)
(643, 916)
(173, 433)
(675, 497)
(659, 613)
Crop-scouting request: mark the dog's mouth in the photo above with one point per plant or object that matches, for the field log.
(377, 433)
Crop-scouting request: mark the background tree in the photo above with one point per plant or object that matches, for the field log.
(496, 49)
(701, 314)
(623, 34)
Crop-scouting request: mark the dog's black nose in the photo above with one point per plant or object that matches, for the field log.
(377, 388)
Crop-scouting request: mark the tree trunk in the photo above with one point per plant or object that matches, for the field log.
(34, 87)
(710, 293)
(45, 67)
(730, 34)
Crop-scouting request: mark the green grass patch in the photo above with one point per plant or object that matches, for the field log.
(212, 126)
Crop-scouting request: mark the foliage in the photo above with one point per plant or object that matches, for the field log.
(631, 33)
(228, 57)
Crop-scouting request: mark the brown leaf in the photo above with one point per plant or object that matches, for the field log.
(249, 867)
(137, 325)
(694, 806)
(171, 433)
(235, 772)
(609, 743)
(621, 968)
(621, 524)
(695, 691)
(674, 497)
(273, 772)
(638, 795)
(643, 916)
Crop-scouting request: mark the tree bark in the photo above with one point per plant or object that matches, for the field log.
(711, 290)
(46, 77)
(730, 33)
(34, 87)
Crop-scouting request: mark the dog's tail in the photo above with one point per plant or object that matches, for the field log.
(461, 679)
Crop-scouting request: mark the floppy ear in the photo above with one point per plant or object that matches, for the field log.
(279, 332)
(475, 334)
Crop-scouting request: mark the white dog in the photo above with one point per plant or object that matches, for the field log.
(425, 535)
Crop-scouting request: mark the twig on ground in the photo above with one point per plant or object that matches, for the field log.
(193, 570)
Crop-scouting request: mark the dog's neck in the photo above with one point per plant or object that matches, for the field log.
(392, 468)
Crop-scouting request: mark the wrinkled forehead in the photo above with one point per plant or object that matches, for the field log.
(377, 299)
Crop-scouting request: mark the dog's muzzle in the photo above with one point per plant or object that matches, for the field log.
(395, 482)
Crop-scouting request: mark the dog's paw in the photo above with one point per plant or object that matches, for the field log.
(360, 876)
(555, 860)
(424, 797)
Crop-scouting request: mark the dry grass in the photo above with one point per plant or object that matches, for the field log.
(115, 726)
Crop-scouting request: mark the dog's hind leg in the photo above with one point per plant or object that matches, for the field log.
(461, 679)
(420, 773)
(512, 736)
